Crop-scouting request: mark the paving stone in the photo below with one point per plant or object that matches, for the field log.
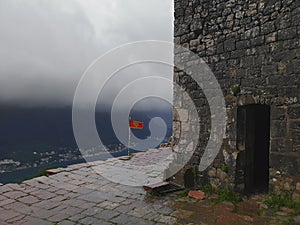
(71, 195)
(117, 199)
(58, 198)
(107, 214)
(87, 205)
(104, 223)
(6, 202)
(74, 202)
(76, 217)
(60, 177)
(138, 212)
(166, 210)
(166, 219)
(128, 202)
(42, 213)
(80, 196)
(82, 190)
(66, 222)
(42, 194)
(16, 219)
(92, 211)
(14, 194)
(65, 186)
(90, 220)
(77, 182)
(36, 221)
(60, 191)
(30, 190)
(19, 207)
(124, 208)
(47, 204)
(60, 207)
(93, 187)
(124, 219)
(16, 187)
(94, 196)
(8, 214)
(2, 197)
(111, 205)
(29, 200)
(143, 222)
(58, 217)
(152, 216)
(40, 185)
(72, 210)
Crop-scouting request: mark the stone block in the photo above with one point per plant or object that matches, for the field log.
(271, 37)
(278, 128)
(268, 27)
(285, 163)
(278, 145)
(287, 33)
(222, 175)
(293, 68)
(278, 113)
(257, 41)
(229, 45)
(294, 112)
(243, 44)
(212, 172)
(269, 69)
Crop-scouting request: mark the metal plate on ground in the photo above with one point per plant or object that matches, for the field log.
(163, 188)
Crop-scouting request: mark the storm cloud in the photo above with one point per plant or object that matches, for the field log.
(46, 45)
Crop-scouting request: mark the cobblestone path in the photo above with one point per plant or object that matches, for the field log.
(78, 194)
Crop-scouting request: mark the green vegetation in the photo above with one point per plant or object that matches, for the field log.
(224, 195)
(224, 168)
(283, 199)
(290, 221)
(236, 89)
(228, 196)
(208, 189)
(260, 212)
(184, 193)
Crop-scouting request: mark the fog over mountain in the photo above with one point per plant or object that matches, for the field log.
(46, 45)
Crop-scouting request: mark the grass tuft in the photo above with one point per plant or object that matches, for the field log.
(283, 199)
(224, 195)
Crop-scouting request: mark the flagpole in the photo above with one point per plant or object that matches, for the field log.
(128, 146)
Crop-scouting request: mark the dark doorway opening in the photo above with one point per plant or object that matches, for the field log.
(253, 125)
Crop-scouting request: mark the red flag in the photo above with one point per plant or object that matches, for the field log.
(136, 124)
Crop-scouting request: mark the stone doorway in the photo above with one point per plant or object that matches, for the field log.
(253, 126)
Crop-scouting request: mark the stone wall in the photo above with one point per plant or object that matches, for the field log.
(253, 49)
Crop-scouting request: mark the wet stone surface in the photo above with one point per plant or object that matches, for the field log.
(79, 194)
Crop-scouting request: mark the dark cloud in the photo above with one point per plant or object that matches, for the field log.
(46, 45)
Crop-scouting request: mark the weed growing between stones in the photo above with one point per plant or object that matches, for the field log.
(224, 168)
(224, 195)
(283, 199)
(236, 90)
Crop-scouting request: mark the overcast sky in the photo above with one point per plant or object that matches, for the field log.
(46, 45)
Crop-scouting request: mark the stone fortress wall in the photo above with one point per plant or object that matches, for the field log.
(253, 49)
